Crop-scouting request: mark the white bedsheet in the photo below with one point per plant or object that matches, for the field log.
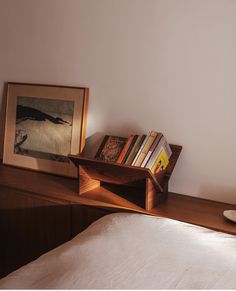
(134, 251)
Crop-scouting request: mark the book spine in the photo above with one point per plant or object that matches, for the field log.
(152, 148)
(140, 149)
(135, 149)
(129, 149)
(161, 162)
(146, 148)
(167, 149)
(155, 154)
(125, 149)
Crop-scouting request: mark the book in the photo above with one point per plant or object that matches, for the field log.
(110, 148)
(129, 149)
(135, 149)
(125, 149)
(167, 149)
(151, 150)
(161, 162)
(140, 149)
(162, 144)
(146, 148)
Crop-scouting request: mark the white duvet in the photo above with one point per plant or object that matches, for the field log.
(134, 251)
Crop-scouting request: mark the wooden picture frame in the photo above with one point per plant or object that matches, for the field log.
(43, 124)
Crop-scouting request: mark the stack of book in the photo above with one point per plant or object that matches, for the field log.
(150, 151)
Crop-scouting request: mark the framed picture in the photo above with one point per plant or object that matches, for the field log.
(44, 123)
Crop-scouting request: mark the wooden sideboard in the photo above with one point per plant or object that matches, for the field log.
(38, 212)
(31, 225)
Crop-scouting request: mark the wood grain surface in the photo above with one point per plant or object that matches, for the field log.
(180, 207)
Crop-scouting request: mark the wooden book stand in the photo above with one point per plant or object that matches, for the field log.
(135, 184)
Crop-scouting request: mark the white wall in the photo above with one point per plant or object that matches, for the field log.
(168, 65)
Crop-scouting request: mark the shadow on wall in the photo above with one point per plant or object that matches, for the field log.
(2, 117)
(219, 193)
(93, 141)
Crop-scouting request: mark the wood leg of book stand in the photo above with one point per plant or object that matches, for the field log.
(85, 182)
(166, 191)
(153, 196)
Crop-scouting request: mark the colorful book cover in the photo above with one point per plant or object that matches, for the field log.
(135, 149)
(146, 148)
(125, 149)
(110, 148)
(155, 153)
(152, 148)
(161, 162)
(129, 149)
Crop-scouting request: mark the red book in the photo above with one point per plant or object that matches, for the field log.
(125, 149)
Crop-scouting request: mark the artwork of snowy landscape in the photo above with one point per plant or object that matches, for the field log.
(44, 128)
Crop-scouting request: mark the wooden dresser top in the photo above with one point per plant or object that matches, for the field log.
(179, 207)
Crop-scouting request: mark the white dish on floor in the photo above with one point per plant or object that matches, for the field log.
(230, 214)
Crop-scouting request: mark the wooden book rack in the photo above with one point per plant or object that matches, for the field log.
(135, 184)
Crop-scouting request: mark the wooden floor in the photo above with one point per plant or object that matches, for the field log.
(184, 208)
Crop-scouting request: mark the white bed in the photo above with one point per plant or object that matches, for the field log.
(134, 251)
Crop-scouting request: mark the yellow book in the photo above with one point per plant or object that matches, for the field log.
(146, 148)
(161, 162)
